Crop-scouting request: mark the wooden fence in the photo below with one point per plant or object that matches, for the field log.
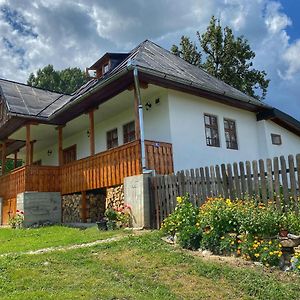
(272, 181)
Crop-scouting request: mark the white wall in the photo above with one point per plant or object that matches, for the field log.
(156, 121)
(188, 134)
(290, 141)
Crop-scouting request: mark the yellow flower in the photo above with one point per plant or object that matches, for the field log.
(228, 202)
(223, 237)
(256, 254)
(232, 243)
(270, 243)
(179, 200)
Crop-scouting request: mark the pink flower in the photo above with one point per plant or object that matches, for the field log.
(128, 206)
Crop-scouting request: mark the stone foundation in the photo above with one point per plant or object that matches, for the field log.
(40, 208)
(115, 196)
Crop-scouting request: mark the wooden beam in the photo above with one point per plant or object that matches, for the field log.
(60, 145)
(137, 117)
(15, 159)
(31, 152)
(3, 158)
(92, 132)
(28, 144)
(143, 85)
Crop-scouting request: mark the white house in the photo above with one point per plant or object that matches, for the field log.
(146, 109)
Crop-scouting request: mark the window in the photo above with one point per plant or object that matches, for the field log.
(129, 132)
(105, 68)
(69, 154)
(276, 139)
(230, 134)
(211, 130)
(112, 138)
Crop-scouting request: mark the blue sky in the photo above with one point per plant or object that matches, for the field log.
(76, 33)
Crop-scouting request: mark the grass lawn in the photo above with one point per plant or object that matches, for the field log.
(33, 239)
(136, 267)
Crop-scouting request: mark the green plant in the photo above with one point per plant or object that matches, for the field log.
(118, 217)
(17, 220)
(185, 215)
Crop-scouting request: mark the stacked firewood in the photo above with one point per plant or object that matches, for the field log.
(115, 196)
(71, 205)
(95, 207)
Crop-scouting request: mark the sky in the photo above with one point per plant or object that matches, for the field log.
(69, 33)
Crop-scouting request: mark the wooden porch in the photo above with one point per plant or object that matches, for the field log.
(104, 169)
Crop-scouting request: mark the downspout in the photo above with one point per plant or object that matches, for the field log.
(141, 119)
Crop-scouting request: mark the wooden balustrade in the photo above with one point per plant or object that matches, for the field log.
(104, 169)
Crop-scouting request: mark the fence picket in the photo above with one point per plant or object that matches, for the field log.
(255, 180)
(243, 182)
(224, 181)
(270, 181)
(284, 183)
(236, 180)
(293, 181)
(263, 180)
(219, 181)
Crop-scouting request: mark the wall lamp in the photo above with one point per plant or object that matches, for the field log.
(88, 133)
(148, 105)
(49, 152)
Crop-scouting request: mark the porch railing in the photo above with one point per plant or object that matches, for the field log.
(104, 169)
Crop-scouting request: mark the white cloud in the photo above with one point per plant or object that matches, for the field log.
(67, 33)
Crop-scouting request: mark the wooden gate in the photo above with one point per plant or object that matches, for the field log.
(8, 209)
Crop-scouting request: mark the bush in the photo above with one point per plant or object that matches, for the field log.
(183, 223)
(242, 228)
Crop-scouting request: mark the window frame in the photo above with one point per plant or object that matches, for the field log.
(126, 138)
(276, 135)
(110, 142)
(212, 128)
(231, 133)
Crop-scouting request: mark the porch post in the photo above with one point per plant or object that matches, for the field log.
(92, 132)
(28, 144)
(60, 145)
(15, 159)
(31, 152)
(3, 159)
(137, 116)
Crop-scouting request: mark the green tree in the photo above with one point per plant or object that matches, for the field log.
(65, 81)
(227, 58)
(188, 51)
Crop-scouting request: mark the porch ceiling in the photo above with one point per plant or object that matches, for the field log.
(46, 135)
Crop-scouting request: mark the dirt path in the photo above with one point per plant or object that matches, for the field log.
(70, 247)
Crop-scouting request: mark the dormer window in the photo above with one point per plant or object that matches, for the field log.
(105, 68)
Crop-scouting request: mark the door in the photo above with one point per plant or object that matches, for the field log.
(8, 210)
(69, 154)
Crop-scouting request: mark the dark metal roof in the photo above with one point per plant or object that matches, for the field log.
(25, 100)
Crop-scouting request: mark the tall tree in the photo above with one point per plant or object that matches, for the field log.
(188, 51)
(65, 81)
(228, 58)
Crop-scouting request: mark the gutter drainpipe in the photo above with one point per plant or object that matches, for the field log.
(141, 119)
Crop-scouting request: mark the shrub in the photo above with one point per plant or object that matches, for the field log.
(17, 220)
(185, 215)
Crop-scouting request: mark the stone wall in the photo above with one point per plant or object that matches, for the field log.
(115, 196)
(40, 208)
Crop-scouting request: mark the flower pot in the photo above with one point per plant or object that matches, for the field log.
(102, 225)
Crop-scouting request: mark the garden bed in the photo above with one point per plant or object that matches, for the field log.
(243, 229)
